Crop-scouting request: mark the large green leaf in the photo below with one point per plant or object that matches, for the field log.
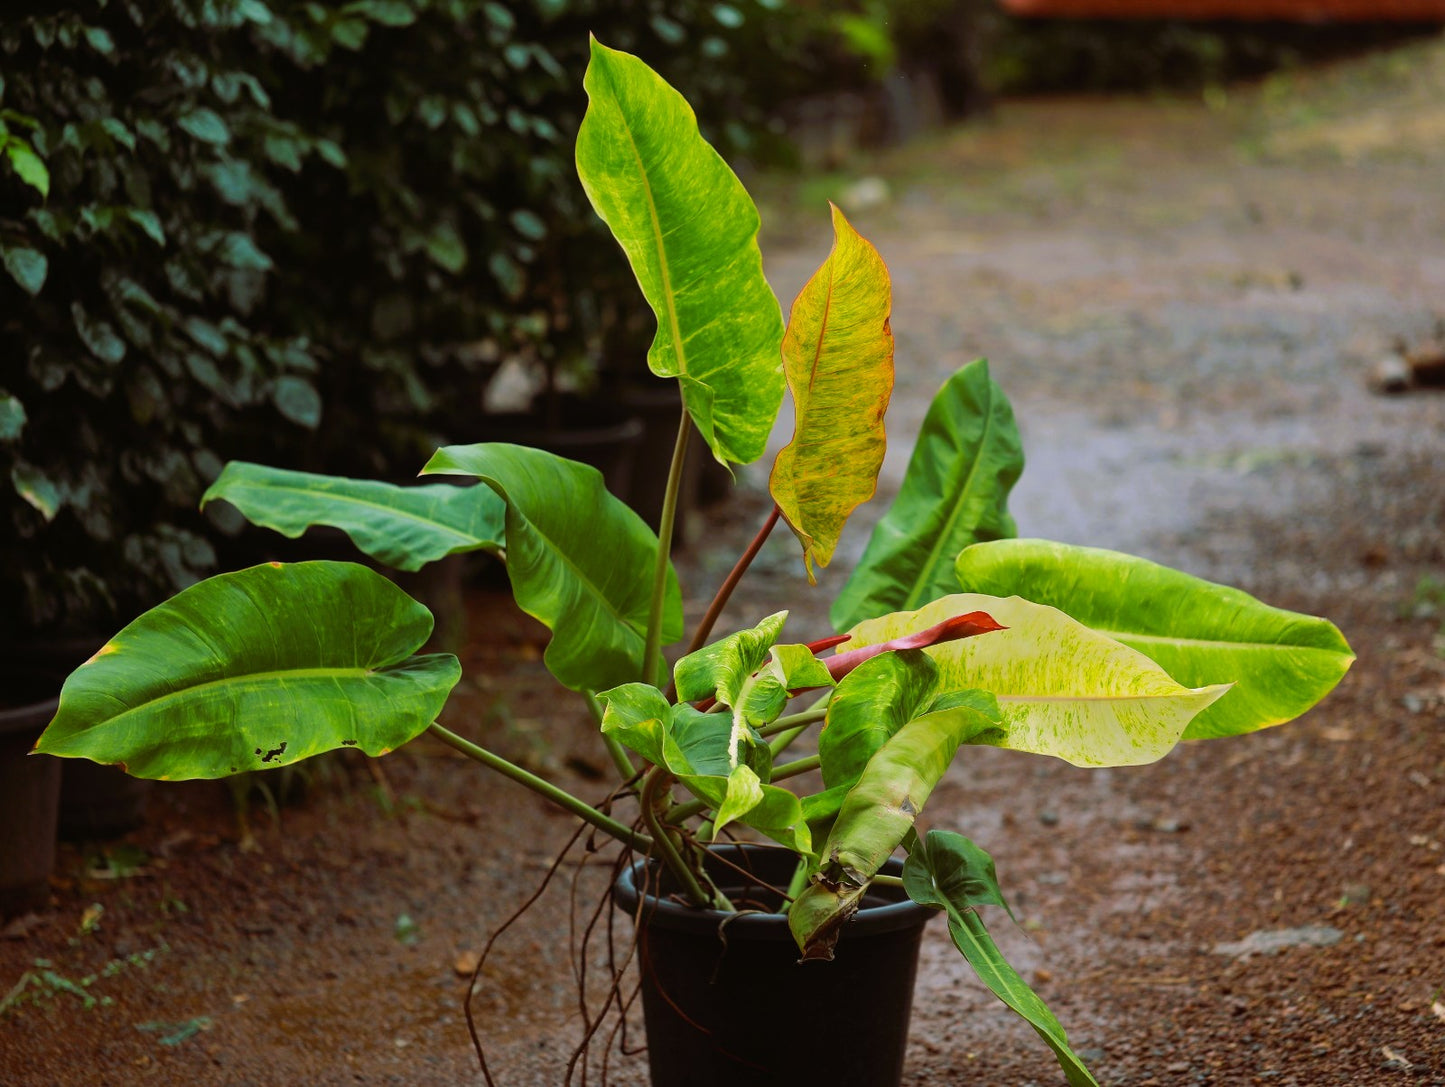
(256, 669)
(579, 559)
(838, 360)
(1064, 690)
(1280, 662)
(949, 872)
(404, 527)
(954, 493)
(690, 230)
(879, 811)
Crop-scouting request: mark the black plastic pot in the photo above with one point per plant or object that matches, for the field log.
(727, 1003)
(29, 801)
(95, 801)
(591, 431)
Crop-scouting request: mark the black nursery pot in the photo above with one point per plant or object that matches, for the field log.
(730, 1004)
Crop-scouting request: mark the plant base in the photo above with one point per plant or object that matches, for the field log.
(726, 1001)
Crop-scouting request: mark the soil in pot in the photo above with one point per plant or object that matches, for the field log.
(727, 1002)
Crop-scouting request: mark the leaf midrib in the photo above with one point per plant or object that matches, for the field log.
(912, 600)
(465, 537)
(1128, 636)
(663, 268)
(248, 679)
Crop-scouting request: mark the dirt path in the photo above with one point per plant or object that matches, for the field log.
(1183, 305)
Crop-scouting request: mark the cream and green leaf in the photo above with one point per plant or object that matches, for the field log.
(1280, 662)
(1063, 689)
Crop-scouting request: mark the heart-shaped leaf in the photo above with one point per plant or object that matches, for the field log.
(579, 559)
(1064, 690)
(690, 230)
(1280, 662)
(404, 527)
(255, 669)
(954, 493)
(838, 361)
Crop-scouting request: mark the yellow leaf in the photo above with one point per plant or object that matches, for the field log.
(838, 359)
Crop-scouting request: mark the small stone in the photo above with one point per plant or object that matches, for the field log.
(1391, 374)
(1049, 818)
(1269, 942)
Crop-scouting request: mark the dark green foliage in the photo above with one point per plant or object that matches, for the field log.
(297, 232)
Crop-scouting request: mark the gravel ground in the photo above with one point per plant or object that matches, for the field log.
(1184, 305)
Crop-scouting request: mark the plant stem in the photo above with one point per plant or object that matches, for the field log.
(803, 718)
(580, 808)
(888, 881)
(620, 758)
(686, 810)
(664, 550)
(796, 767)
(725, 591)
(654, 789)
(783, 740)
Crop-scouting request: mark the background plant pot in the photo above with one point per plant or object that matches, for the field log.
(720, 1014)
(591, 430)
(95, 801)
(29, 798)
(659, 408)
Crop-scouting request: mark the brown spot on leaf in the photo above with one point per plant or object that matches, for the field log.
(348, 743)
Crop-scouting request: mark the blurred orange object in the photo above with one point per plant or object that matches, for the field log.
(1302, 11)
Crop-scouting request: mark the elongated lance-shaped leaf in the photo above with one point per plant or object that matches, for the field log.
(579, 559)
(1064, 690)
(879, 811)
(954, 493)
(946, 872)
(1280, 662)
(870, 705)
(690, 230)
(255, 669)
(404, 527)
(693, 747)
(838, 361)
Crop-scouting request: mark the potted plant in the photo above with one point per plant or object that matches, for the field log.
(955, 633)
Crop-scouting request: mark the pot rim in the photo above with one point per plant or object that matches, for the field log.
(656, 912)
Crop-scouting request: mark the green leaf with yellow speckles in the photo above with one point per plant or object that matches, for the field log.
(690, 231)
(838, 360)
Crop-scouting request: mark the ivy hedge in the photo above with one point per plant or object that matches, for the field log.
(301, 232)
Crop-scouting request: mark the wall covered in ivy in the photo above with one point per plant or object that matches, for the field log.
(302, 233)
